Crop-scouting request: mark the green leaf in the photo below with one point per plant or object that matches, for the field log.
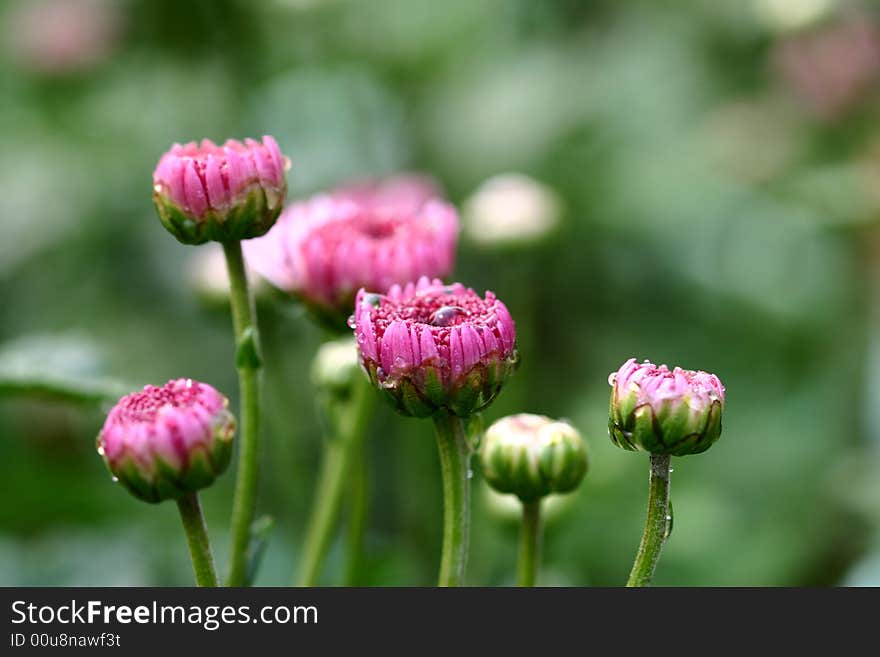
(65, 367)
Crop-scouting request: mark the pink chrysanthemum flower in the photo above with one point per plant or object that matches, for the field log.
(405, 193)
(373, 235)
(663, 411)
(162, 443)
(436, 347)
(232, 192)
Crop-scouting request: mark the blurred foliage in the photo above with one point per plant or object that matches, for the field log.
(719, 182)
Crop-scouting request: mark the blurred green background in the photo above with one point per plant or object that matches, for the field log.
(716, 166)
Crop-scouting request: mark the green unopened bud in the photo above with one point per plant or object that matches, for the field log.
(533, 456)
(335, 367)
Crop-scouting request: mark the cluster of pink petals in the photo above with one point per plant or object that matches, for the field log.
(429, 324)
(200, 178)
(404, 193)
(833, 67)
(654, 385)
(373, 235)
(165, 423)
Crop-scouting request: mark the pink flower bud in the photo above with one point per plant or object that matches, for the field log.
(232, 192)
(370, 235)
(436, 347)
(162, 443)
(664, 411)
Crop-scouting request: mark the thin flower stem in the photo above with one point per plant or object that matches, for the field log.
(197, 537)
(247, 360)
(530, 543)
(455, 454)
(339, 454)
(357, 518)
(656, 523)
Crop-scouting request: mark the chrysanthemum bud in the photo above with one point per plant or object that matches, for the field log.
(435, 347)
(533, 456)
(162, 443)
(373, 236)
(335, 366)
(663, 411)
(232, 192)
(511, 209)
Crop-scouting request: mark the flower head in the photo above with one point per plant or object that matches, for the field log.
(405, 193)
(335, 366)
(324, 249)
(533, 456)
(435, 347)
(664, 411)
(232, 192)
(162, 443)
(511, 209)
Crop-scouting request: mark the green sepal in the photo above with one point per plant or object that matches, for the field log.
(411, 401)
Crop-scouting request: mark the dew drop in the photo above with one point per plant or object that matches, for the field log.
(612, 378)
(445, 315)
(470, 474)
(189, 383)
(101, 450)
(352, 322)
(371, 300)
(115, 480)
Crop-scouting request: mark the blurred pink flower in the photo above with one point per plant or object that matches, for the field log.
(208, 192)
(831, 67)
(436, 346)
(62, 36)
(405, 193)
(371, 235)
(164, 442)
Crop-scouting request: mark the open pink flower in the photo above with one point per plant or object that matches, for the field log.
(164, 442)
(434, 346)
(665, 411)
(373, 235)
(231, 192)
(404, 193)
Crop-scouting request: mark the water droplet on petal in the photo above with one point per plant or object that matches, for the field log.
(445, 315)
(371, 300)
(101, 450)
(352, 322)
(612, 378)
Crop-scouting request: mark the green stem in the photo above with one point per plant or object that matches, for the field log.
(247, 360)
(529, 543)
(455, 454)
(357, 519)
(197, 537)
(339, 454)
(656, 523)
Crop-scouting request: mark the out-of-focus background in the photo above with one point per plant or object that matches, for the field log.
(696, 182)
